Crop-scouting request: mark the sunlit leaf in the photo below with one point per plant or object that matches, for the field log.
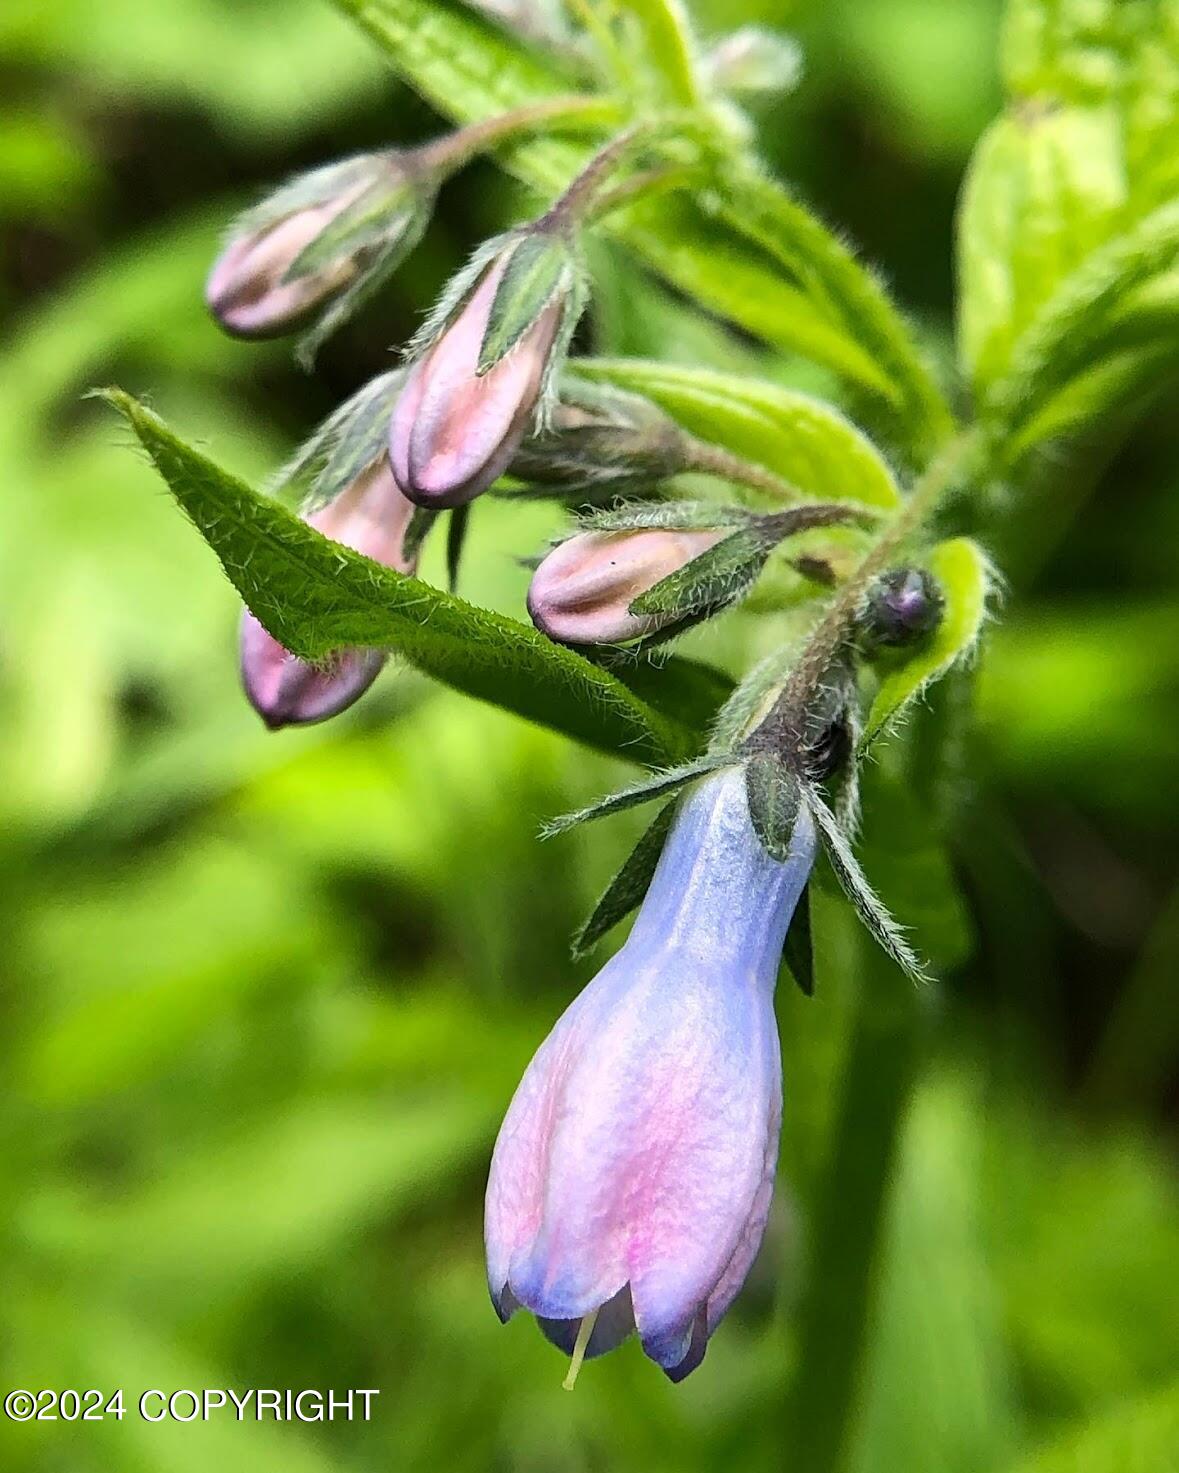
(805, 441)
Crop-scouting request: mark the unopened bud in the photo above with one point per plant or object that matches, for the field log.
(473, 394)
(372, 517)
(903, 607)
(754, 59)
(312, 240)
(602, 439)
(582, 592)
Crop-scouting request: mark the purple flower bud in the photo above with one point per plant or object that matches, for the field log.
(248, 291)
(903, 607)
(632, 1177)
(371, 516)
(582, 592)
(455, 430)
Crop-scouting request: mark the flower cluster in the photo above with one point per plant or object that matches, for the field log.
(631, 1181)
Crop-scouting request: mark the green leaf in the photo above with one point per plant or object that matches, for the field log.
(316, 596)
(626, 890)
(537, 271)
(963, 574)
(828, 272)
(801, 439)
(468, 69)
(668, 47)
(1044, 188)
(1141, 1436)
(1068, 209)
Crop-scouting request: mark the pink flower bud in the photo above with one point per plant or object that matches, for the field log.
(371, 516)
(582, 592)
(455, 430)
(247, 290)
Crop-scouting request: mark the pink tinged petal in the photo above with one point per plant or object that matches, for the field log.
(371, 516)
(455, 430)
(581, 593)
(246, 290)
(288, 691)
(637, 1155)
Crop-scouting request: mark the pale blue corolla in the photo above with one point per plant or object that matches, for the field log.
(632, 1176)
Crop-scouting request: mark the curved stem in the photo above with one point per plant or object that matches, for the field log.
(452, 151)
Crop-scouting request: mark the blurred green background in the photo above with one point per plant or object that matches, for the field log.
(265, 998)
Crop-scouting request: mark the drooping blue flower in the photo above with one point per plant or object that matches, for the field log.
(632, 1176)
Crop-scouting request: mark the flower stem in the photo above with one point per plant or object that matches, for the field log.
(453, 151)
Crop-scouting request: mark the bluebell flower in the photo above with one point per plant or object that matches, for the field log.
(632, 1177)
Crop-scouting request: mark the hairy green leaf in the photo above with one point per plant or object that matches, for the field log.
(963, 574)
(626, 890)
(801, 439)
(1068, 210)
(316, 596)
(711, 580)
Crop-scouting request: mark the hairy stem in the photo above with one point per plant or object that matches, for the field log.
(454, 150)
(835, 628)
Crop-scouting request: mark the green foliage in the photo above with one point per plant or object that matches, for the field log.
(808, 443)
(345, 599)
(266, 996)
(1067, 215)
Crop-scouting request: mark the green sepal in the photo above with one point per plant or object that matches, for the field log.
(774, 798)
(656, 785)
(711, 581)
(541, 269)
(626, 890)
(798, 949)
(343, 446)
(456, 536)
(389, 207)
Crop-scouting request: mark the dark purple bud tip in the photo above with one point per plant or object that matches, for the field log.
(288, 691)
(904, 606)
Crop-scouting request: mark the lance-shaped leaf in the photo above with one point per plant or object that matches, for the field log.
(315, 596)
(540, 269)
(801, 439)
(626, 890)
(657, 785)
(964, 577)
